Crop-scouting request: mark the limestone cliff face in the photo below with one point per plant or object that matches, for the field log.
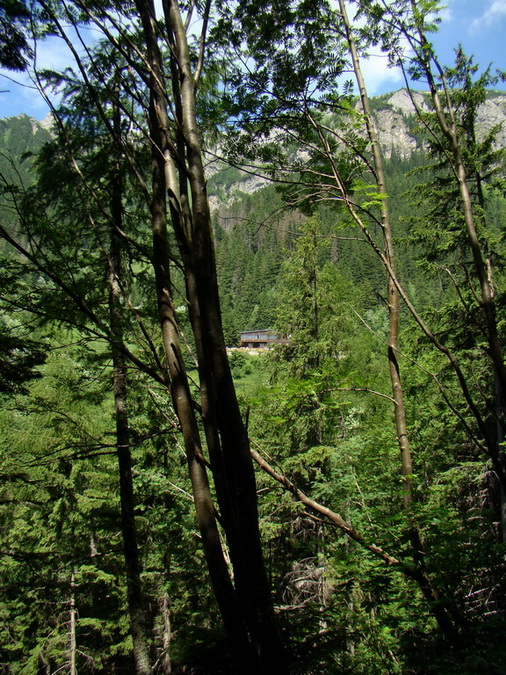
(398, 130)
(493, 113)
(48, 122)
(394, 134)
(397, 125)
(395, 122)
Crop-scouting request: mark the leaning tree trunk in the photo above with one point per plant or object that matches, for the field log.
(225, 429)
(184, 407)
(238, 636)
(439, 611)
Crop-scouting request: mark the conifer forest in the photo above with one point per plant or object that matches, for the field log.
(172, 502)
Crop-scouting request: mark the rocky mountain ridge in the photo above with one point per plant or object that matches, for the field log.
(394, 111)
(395, 119)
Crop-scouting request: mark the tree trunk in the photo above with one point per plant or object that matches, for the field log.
(418, 553)
(138, 623)
(72, 624)
(224, 592)
(166, 665)
(179, 173)
(225, 431)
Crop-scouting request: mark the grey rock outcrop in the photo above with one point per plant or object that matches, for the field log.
(395, 118)
(493, 114)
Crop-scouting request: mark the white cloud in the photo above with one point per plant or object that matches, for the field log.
(52, 53)
(378, 75)
(494, 12)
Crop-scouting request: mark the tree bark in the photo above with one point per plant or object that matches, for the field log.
(418, 551)
(225, 433)
(163, 184)
(136, 609)
(72, 623)
(488, 305)
(166, 663)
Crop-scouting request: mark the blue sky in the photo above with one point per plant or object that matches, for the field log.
(18, 93)
(479, 25)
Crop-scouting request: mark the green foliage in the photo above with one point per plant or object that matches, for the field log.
(19, 356)
(14, 46)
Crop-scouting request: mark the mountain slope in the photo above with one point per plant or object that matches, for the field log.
(398, 133)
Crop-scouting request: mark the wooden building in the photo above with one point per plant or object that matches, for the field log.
(262, 339)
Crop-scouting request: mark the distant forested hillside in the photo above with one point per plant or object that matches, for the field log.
(19, 137)
(255, 231)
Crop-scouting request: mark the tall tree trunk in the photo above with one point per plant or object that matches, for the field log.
(166, 663)
(72, 626)
(440, 613)
(227, 441)
(136, 609)
(225, 430)
(184, 407)
(223, 589)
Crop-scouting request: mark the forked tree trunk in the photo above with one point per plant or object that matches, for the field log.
(221, 582)
(225, 429)
(180, 174)
(184, 407)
